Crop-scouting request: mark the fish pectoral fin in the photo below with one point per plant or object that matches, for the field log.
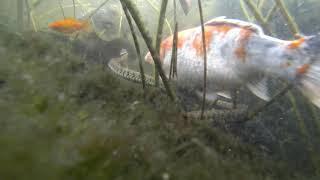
(225, 94)
(259, 87)
(210, 96)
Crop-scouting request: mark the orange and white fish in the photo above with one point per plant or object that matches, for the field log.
(239, 53)
(70, 25)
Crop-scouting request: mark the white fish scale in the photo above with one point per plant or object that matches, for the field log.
(263, 57)
(221, 64)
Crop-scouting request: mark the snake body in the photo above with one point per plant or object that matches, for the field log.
(129, 74)
(223, 114)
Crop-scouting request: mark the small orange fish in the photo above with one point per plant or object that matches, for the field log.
(69, 25)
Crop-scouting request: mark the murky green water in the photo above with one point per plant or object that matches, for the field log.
(64, 115)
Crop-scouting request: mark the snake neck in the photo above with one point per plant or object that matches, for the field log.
(135, 76)
(129, 74)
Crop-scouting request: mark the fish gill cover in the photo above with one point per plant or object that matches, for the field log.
(64, 117)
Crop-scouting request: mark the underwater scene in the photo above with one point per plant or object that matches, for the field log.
(159, 89)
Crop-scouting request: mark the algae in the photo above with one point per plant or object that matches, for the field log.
(65, 117)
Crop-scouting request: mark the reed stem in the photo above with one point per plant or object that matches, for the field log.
(97, 9)
(244, 10)
(158, 10)
(148, 40)
(258, 16)
(136, 43)
(285, 13)
(20, 10)
(260, 4)
(173, 64)
(61, 8)
(159, 35)
(204, 59)
(28, 12)
(271, 13)
(74, 9)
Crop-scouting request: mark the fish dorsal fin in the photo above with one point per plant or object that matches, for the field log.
(234, 22)
(259, 87)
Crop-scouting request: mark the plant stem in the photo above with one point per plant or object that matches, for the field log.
(257, 14)
(97, 9)
(20, 10)
(260, 4)
(204, 59)
(136, 43)
(244, 10)
(271, 13)
(174, 54)
(148, 40)
(158, 10)
(284, 11)
(28, 12)
(74, 9)
(61, 8)
(159, 35)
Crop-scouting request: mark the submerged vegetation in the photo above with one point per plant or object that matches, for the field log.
(65, 116)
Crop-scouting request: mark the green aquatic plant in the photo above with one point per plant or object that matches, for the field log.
(61, 8)
(204, 48)
(174, 55)
(137, 46)
(289, 19)
(258, 16)
(20, 16)
(67, 118)
(293, 27)
(162, 15)
(158, 10)
(148, 40)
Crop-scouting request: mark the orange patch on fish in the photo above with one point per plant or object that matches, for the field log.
(296, 43)
(209, 31)
(241, 50)
(167, 44)
(69, 25)
(303, 69)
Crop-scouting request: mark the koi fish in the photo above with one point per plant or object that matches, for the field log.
(69, 25)
(239, 53)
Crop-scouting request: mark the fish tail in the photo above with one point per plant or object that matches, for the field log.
(309, 82)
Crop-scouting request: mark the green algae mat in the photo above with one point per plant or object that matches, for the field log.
(62, 117)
